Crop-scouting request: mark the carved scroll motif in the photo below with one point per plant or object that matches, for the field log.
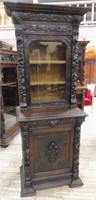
(19, 18)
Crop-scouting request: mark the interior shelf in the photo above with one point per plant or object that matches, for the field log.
(11, 84)
(48, 62)
(48, 83)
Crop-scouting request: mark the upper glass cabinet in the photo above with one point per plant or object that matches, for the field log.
(47, 71)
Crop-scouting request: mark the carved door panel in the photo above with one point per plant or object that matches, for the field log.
(51, 151)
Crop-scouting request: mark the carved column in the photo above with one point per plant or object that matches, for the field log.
(21, 75)
(26, 156)
(76, 181)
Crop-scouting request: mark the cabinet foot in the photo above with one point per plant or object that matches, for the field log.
(26, 191)
(76, 183)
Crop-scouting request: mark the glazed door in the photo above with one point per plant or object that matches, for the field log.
(48, 68)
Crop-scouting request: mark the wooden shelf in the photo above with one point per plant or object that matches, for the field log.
(7, 63)
(48, 62)
(48, 83)
(11, 84)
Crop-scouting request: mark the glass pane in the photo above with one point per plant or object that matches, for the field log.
(47, 71)
(89, 14)
(94, 12)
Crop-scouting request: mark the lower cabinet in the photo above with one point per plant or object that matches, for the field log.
(50, 146)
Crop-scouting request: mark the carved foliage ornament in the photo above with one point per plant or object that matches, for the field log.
(22, 84)
(48, 28)
(52, 151)
(18, 18)
(74, 67)
(76, 152)
(52, 122)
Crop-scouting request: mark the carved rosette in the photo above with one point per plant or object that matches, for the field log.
(76, 152)
(26, 152)
(21, 73)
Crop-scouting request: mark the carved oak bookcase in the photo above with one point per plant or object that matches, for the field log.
(50, 121)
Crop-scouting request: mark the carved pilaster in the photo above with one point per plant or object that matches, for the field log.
(75, 63)
(26, 152)
(21, 71)
(76, 181)
(76, 152)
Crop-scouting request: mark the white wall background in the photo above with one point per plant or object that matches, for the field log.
(88, 32)
(8, 35)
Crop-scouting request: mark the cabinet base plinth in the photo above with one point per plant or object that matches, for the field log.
(76, 183)
(28, 191)
(31, 190)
